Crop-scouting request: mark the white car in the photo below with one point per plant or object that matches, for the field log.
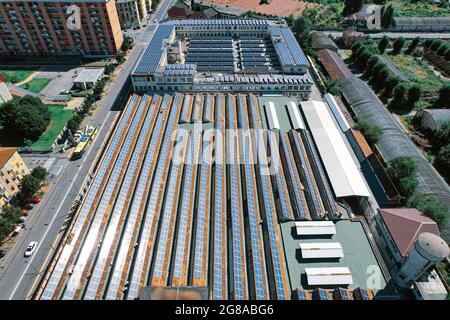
(31, 248)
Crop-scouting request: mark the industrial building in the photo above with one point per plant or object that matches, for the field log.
(162, 211)
(42, 28)
(231, 55)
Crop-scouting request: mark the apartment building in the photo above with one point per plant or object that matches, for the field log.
(132, 12)
(59, 27)
(12, 169)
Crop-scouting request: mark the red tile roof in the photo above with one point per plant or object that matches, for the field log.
(405, 225)
(5, 155)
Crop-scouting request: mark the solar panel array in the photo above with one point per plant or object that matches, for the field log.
(239, 288)
(150, 220)
(258, 55)
(312, 194)
(151, 57)
(287, 47)
(212, 54)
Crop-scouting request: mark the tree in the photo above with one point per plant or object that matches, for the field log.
(444, 155)
(390, 84)
(435, 45)
(290, 20)
(387, 16)
(403, 171)
(442, 136)
(127, 44)
(334, 87)
(26, 117)
(352, 6)
(398, 45)
(120, 57)
(384, 43)
(98, 88)
(413, 45)
(380, 78)
(29, 185)
(9, 216)
(443, 101)
(431, 207)
(375, 71)
(109, 68)
(39, 173)
(301, 26)
(371, 132)
(414, 94)
(399, 96)
(401, 167)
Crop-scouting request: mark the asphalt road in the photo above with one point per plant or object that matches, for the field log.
(20, 274)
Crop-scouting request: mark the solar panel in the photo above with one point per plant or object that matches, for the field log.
(169, 215)
(281, 288)
(257, 259)
(311, 191)
(88, 244)
(239, 285)
(219, 274)
(53, 287)
(285, 211)
(184, 226)
(110, 240)
(148, 231)
(200, 269)
(135, 214)
(293, 178)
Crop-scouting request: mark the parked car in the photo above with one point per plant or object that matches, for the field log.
(33, 199)
(31, 248)
(64, 92)
(2, 253)
(29, 206)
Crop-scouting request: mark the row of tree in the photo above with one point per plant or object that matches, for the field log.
(11, 213)
(439, 47)
(365, 56)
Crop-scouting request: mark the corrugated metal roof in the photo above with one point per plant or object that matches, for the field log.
(321, 250)
(345, 177)
(394, 142)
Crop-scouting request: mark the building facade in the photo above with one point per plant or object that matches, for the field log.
(132, 13)
(12, 170)
(60, 27)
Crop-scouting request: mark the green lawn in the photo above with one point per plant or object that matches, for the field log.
(58, 121)
(15, 75)
(36, 85)
(417, 71)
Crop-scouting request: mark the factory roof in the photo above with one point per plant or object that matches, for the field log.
(359, 256)
(287, 47)
(345, 177)
(321, 40)
(333, 64)
(433, 119)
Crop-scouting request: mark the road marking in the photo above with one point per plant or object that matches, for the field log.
(55, 215)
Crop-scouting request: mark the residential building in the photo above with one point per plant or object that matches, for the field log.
(132, 13)
(52, 27)
(12, 170)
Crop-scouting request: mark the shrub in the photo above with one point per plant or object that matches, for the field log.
(372, 133)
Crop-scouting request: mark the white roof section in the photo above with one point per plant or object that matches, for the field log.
(338, 115)
(321, 250)
(307, 228)
(272, 117)
(328, 276)
(294, 114)
(345, 177)
(89, 75)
